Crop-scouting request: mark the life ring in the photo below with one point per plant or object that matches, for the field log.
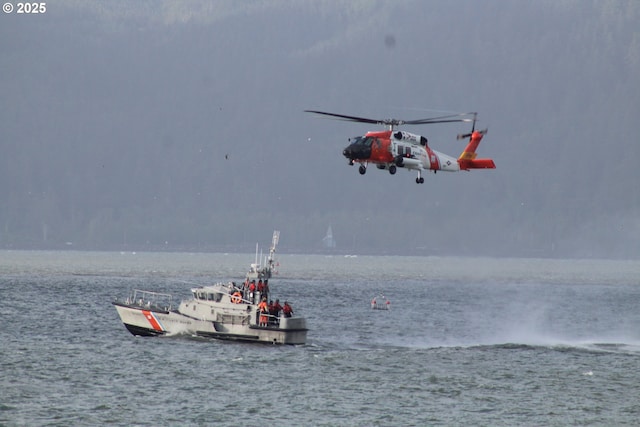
(236, 298)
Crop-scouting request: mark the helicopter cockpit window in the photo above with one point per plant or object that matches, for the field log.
(362, 141)
(366, 141)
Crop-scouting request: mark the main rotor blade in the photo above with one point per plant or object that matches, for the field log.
(344, 117)
(442, 119)
(395, 122)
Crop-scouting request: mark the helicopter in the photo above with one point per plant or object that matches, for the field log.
(392, 149)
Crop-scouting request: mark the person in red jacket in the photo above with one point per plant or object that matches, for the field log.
(274, 311)
(287, 310)
(277, 308)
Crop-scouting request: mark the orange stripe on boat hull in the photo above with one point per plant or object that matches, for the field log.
(152, 320)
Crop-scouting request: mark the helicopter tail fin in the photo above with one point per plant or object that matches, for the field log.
(467, 159)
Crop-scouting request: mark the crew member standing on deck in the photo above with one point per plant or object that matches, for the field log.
(252, 291)
(261, 289)
(245, 289)
(271, 315)
(287, 310)
(274, 311)
(263, 309)
(277, 308)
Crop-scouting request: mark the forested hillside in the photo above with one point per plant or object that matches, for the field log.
(180, 125)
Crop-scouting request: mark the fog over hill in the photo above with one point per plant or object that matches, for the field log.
(180, 125)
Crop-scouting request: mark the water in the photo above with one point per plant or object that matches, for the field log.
(466, 342)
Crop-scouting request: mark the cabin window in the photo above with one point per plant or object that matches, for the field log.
(404, 151)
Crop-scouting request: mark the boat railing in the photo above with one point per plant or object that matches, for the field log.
(150, 300)
(278, 320)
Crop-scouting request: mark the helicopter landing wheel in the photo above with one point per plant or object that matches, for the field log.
(362, 169)
(392, 169)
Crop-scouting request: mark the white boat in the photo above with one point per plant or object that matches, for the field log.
(224, 311)
(380, 302)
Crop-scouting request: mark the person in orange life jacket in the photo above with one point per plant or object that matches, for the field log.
(287, 310)
(264, 312)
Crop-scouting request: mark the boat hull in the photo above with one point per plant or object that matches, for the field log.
(141, 321)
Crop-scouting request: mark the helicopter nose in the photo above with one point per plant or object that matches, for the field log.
(353, 152)
(356, 152)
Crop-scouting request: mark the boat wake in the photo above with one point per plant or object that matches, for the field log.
(619, 346)
(596, 346)
(178, 331)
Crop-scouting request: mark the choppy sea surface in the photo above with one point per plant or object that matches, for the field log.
(467, 341)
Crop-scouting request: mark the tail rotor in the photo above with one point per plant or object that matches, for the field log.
(473, 129)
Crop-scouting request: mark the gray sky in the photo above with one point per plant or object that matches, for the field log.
(181, 125)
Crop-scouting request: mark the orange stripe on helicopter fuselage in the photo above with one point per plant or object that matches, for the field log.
(152, 320)
(434, 162)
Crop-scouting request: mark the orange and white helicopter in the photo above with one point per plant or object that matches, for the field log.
(391, 149)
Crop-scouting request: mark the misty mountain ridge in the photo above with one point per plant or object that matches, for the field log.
(180, 125)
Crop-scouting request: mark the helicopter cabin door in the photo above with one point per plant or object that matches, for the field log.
(401, 150)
